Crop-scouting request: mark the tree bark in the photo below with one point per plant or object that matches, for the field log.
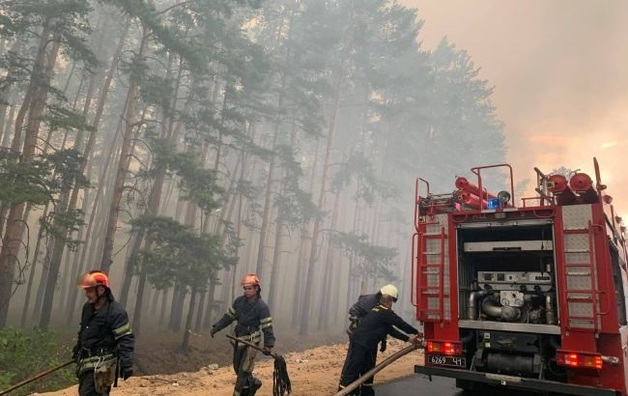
(311, 265)
(123, 163)
(35, 101)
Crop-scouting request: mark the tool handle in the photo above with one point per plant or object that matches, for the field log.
(36, 377)
(247, 343)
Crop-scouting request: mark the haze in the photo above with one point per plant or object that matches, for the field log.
(560, 74)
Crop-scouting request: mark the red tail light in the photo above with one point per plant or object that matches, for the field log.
(579, 359)
(450, 348)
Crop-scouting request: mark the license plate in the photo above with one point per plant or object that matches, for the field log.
(454, 361)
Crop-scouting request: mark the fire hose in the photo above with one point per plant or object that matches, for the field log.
(355, 384)
(281, 380)
(36, 377)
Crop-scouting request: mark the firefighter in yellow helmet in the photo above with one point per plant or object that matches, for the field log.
(374, 327)
(105, 343)
(366, 302)
(253, 319)
(362, 307)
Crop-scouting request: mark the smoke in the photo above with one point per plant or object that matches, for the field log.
(560, 74)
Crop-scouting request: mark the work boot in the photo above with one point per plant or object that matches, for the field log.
(254, 385)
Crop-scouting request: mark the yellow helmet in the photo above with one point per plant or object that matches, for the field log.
(390, 290)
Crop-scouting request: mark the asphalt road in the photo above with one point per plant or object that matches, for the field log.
(420, 385)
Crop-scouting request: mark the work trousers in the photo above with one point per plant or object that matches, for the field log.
(360, 360)
(87, 386)
(243, 364)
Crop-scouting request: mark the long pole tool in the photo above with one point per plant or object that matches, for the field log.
(281, 379)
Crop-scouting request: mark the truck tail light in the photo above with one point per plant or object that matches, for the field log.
(451, 348)
(579, 359)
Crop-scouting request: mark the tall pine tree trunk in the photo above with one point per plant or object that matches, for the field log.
(311, 265)
(35, 101)
(123, 160)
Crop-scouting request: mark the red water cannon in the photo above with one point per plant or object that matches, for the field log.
(559, 186)
(582, 184)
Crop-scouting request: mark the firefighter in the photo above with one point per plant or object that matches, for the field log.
(252, 318)
(363, 306)
(374, 327)
(365, 303)
(105, 343)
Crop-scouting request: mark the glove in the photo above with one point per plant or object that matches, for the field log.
(353, 325)
(267, 350)
(76, 353)
(382, 346)
(126, 372)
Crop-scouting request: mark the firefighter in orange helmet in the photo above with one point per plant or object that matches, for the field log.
(252, 318)
(105, 343)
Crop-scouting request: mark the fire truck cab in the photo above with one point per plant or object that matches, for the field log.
(526, 296)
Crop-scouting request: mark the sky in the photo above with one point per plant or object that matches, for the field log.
(559, 69)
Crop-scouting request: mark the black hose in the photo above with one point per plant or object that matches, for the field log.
(355, 384)
(281, 379)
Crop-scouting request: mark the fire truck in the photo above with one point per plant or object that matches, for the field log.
(527, 294)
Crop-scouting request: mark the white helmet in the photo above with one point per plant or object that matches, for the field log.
(389, 290)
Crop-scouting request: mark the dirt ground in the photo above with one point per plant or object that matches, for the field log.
(312, 372)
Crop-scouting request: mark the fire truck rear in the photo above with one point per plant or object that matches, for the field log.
(524, 296)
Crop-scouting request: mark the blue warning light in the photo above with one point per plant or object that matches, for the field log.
(493, 203)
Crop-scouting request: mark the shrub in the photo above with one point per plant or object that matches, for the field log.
(25, 353)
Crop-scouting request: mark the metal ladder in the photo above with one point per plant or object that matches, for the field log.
(430, 285)
(582, 302)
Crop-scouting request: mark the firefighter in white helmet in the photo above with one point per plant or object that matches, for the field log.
(366, 302)
(363, 306)
(379, 322)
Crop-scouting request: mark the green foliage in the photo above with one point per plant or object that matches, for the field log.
(178, 255)
(62, 225)
(24, 17)
(158, 91)
(369, 186)
(371, 260)
(61, 118)
(26, 353)
(294, 205)
(24, 183)
(197, 184)
(66, 167)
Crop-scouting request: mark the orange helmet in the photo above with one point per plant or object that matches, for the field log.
(250, 279)
(93, 279)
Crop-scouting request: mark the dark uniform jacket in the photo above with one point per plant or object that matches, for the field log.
(379, 323)
(105, 331)
(363, 306)
(252, 316)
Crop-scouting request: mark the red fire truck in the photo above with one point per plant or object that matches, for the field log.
(525, 296)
